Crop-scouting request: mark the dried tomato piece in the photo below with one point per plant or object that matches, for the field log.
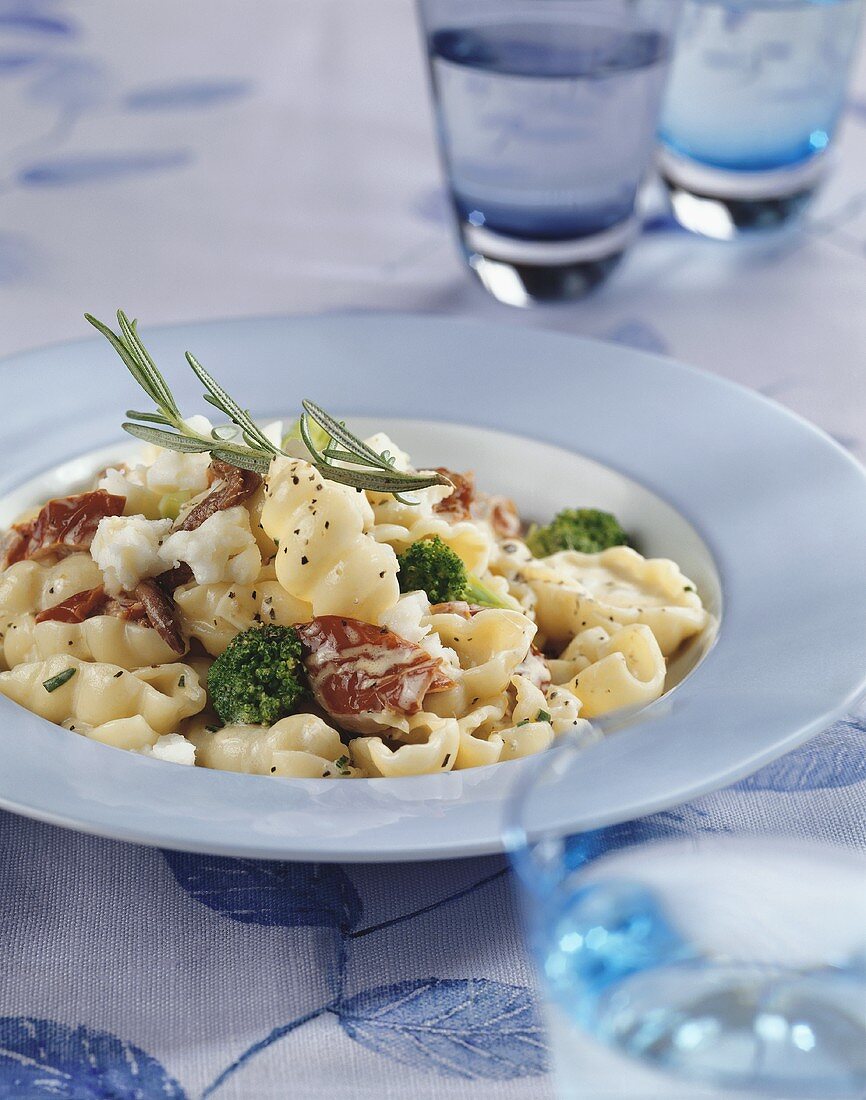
(63, 526)
(148, 606)
(175, 577)
(236, 486)
(457, 506)
(500, 512)
(161, 612)
(128, 607)
(357, 668)
(75, 608)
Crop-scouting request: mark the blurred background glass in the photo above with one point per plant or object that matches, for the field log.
(694, 966)
(546, 113)
(754, 97)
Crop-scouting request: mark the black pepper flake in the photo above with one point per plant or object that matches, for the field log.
(447, 758)
(305, 560)
(295, 479)
(117, 674)
(273, 770)
(296, 531)
(383, 630)
(382, 574)
(327, 524)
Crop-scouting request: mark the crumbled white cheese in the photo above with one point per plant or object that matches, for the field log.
(140, 501)
(404, 618)
(171, 747)
(166, 471)
(177, 471)
(127, 549)
(381, 442)
(222, 549)
(424, 501)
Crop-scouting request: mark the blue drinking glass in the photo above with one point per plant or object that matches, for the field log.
(684, 965)
(753, 101)
(546, 113)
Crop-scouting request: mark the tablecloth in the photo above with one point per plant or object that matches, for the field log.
(211, 158)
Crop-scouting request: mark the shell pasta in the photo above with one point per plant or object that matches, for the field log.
(293, 618)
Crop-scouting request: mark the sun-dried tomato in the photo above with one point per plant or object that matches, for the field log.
(63, 526)
(148, 606)
(75, 608)
(356, 668)
(161, 612)
(235, 486)
(458, 505)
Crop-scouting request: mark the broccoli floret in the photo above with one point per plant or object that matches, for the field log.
(259, 678)
(432, 566)
(583, 529)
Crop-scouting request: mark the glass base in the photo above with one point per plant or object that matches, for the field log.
(723, 205)
(523, 273)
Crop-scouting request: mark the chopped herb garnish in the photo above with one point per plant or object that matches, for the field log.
(542, 716)
(54, 682)
(342, 764)
(182, 682)
(523, 722)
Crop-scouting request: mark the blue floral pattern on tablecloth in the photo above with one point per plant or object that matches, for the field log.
(345, 953)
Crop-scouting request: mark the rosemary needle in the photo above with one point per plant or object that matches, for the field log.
(345, 459)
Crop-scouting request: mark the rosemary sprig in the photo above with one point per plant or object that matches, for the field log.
(346, 458)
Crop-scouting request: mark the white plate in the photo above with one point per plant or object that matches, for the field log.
(764, 511)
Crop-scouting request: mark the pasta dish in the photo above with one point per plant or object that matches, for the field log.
(288, 599)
